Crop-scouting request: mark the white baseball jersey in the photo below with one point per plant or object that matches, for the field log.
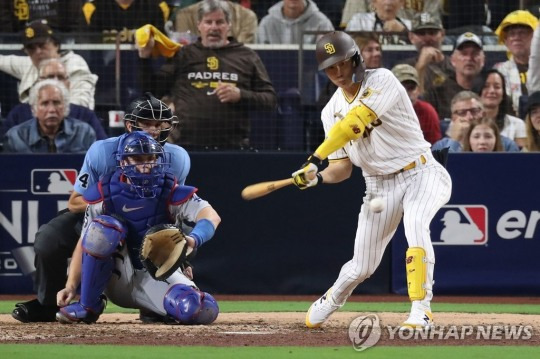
(388, 145)
(393, 140)
(132, 288)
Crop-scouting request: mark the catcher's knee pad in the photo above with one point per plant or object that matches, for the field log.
(103, 236)
(188, 305)
(416, 265)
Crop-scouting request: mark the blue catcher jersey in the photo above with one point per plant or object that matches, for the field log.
(138, 214)
(100, 159)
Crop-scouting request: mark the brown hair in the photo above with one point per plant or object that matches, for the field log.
(533, 136)
(363, 39)
(491, 124)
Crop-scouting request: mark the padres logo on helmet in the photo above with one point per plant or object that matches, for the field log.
(29, 32)
(334, 47)
(330, 49)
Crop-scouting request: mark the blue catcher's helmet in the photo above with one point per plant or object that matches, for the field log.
(143, 161)
(189, 305)
(149, 108)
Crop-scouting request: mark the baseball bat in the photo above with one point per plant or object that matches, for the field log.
(263, 188)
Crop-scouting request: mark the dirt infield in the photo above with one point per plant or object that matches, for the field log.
(273, 329)
(287, 329)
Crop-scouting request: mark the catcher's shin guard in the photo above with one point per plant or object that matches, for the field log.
(102, 238)
(419, 274)
(188, 305)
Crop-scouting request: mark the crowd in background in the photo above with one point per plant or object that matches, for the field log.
(57, 100)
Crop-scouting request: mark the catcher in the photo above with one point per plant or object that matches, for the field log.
(129, 248)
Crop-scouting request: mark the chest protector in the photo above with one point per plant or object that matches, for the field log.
(138, 213)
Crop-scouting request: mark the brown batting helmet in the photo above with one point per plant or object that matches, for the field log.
(334, 47)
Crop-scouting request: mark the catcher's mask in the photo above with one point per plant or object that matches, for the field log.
(143, 161)
(337, 46)
(149, 108)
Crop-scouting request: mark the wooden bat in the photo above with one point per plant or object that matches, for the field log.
(263, 188)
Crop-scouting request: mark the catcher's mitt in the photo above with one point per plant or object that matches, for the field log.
(163, 250)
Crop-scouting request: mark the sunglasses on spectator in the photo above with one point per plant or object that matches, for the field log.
(58, 77)
(462, 113)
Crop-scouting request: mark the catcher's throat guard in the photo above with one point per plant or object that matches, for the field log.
(164, 250)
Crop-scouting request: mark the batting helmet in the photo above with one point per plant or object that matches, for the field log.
(149, 108)
(334, 47)
(145, 183)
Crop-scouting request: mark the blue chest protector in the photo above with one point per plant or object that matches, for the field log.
(138, 213)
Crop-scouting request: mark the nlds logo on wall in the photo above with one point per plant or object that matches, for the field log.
(460, 225)
(53, 181)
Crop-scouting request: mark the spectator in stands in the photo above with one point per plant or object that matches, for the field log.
(40, 43)
(112, 18)
(467, 108)
(214, 82)
(483, 136)
(516, 32)
(382, 19)
(429, 120)
(408, 11)
(490, 86)
(288, 18)
(243, 22)
(468, 59)
(433, 66)
(532, 121)
(370, 49)
(533, 75)
(61, 15)
(50, 130)
(54, 69)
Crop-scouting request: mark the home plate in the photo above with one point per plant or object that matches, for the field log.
(247, 333)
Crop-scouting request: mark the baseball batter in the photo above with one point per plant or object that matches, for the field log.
(139, 195)
(370, 123)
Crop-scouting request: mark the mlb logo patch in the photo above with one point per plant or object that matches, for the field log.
(460, 225)
(53, 181)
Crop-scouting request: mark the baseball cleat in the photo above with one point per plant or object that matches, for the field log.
(33, 311)
(321, 310)
(419, 318)
(76, 312)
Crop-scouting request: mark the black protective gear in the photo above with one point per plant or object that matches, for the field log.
(149, 108)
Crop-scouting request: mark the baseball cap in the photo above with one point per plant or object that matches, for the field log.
(424, 20)
(37, 32)
(405, 72)
(467, 37)
(518, 17)
(533, 100)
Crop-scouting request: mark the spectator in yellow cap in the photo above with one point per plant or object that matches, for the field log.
(516, 32)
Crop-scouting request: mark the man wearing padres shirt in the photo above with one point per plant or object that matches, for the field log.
(214, 82)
